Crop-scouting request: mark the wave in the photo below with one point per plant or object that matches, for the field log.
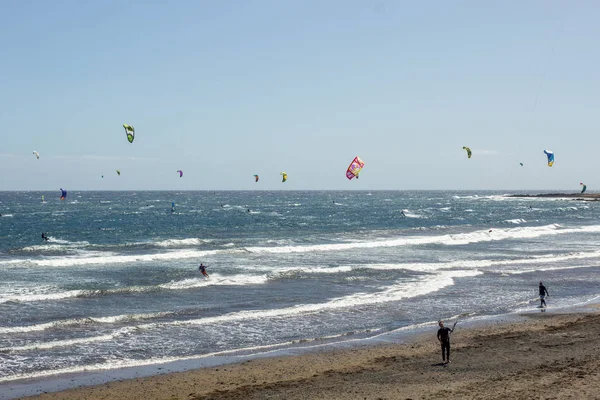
(59, 245)
(120, 259)
(409, 214)
(54, 244)
(542, 260)
(31, 297)
(447, 239)
(282, 247)
(67, 342)
(190, 283)
(114, 319)
(543, 268)
(515, 221)
(215, 279)
(181, 242)
(398, 291)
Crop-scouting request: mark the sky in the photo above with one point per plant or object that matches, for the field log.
(224, 90)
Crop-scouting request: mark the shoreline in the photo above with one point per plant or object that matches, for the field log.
(510, 356)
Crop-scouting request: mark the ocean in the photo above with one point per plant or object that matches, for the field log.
(118, 285)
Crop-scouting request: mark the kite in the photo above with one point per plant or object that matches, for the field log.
(468, 151)
(63, 194)
(255, 178)
(584, 187)
(550, 155)
(354, 168)
(521, 164)
(130, 132)
(36, 154)
(118, 172)
(283, 176)
(180, 173)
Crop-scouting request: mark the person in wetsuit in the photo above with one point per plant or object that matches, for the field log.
(443, 336)
(45, 237)
(202, 269)
(543, 294)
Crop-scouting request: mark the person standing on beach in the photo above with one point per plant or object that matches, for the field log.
(443, 336)
(543, 294)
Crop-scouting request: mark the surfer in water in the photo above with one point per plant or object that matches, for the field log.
(443, 335)
(543, 294)
(45, 237)
(202, 269)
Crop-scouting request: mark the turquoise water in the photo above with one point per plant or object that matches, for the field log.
(118, 284)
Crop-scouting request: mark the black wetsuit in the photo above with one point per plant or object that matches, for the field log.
(444, 338)
(543, 294)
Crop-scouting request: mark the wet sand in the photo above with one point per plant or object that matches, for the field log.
(546, 356)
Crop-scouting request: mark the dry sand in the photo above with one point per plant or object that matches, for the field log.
(548, 356)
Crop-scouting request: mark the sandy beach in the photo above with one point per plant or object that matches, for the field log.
(546, 356)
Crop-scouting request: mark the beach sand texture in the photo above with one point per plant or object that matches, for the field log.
(547, 356)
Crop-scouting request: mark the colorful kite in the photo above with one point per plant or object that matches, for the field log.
(584, 187)
(468, 151)
(63, 194)
(255, 178)
(354, 168)
(130, 132)
(283, 176)
(550, 155)
(180, 173)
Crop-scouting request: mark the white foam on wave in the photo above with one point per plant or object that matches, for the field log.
(120, 259)
(54, 244)
(66, 342)
(35, 296)
(447, 239)
(181, 242)
(113, 319)
(287, 271)
(543, 260)
(543, 268)
(516, 221)
(398, 291)
(216, 279)
(410, 214)
(478, 236)
(26, 295)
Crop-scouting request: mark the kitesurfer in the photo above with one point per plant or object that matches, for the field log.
(202, 269)
(443, 336)
(543, 294)
(45, 237)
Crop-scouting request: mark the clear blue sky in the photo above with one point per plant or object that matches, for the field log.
(227, 89)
